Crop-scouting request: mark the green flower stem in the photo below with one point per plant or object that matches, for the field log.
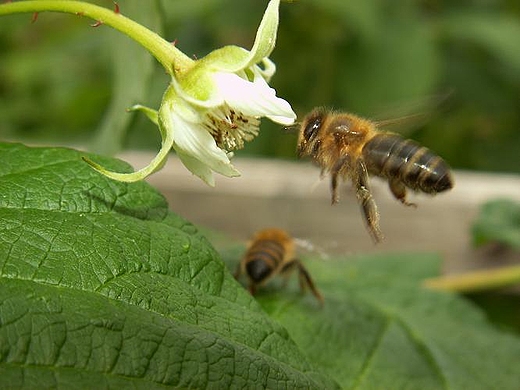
(171, 58)
(476, 281)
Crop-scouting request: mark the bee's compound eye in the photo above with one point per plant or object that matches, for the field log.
(312, 128)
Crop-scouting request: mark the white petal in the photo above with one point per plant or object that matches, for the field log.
(253, 98)
(197, 168)
(192, 140)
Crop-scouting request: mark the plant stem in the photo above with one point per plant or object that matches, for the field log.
(171, 58)
(476, 281)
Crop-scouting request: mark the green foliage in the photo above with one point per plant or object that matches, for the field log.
(376, 58)
(498, 222)
(379, 329)
(102, 287)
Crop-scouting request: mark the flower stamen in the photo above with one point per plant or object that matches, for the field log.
(229, 128)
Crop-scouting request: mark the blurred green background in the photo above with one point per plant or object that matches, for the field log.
(457, 62)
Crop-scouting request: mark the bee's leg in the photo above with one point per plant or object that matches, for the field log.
(398, 189)
(323, 173)
(306, 280)
(238, 271)
(339, 166)
(287, 270)
(334, 187)
(366, 200)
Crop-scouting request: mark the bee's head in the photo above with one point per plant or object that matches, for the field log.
(309, 129)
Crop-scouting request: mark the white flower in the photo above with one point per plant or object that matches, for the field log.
(214, 106)
(205, 131)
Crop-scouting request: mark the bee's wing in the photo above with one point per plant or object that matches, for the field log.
(404, 117)
(311, 247)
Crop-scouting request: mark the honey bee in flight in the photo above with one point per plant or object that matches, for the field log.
(271, 252)
(349, 147)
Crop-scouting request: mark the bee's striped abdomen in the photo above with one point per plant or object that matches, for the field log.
(263, 258)
(389, 155)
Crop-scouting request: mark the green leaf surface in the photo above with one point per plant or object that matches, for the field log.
(498, 222)
(102, 287)
(379, 329)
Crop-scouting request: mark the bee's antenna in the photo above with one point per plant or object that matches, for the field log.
(292, 129)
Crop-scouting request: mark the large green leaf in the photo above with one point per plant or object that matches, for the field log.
(380, 329)
(102, 287)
